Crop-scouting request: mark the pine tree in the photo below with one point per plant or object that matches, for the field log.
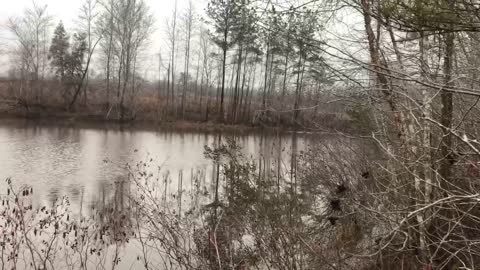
(245, 34)
(224, 15)
(59, 52)
(306, 26)
(77, 56)
(271, 39)
(76, 70)
(286, 24)
(67, 61)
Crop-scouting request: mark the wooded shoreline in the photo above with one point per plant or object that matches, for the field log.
(85, 120)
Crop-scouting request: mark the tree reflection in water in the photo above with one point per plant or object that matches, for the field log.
(251, 213)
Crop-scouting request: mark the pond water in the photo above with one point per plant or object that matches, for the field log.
(86, 164)
(82, 163)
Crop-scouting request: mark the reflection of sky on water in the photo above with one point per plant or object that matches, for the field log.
(58, 161)
(63, 161)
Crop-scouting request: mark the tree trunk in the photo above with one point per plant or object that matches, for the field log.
(298, 89)
(224, 64)
(266, 78)
(237, 83)
(446, 116)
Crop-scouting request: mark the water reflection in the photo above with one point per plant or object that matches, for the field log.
(63, 161)
(93, 168)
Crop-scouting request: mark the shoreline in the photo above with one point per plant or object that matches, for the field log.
(78, 120)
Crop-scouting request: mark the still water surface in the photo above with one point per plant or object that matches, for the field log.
(86, 164)
(66, 161)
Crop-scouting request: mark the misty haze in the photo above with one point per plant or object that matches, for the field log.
(240, 134)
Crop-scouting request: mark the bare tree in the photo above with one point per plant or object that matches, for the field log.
(132, 24)
(87, 18)
(188, 20)
(31, 34)
(204, 45)
(224, 15)
(172, 39)
(105, 29)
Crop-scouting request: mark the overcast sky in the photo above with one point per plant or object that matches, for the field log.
(68, 10)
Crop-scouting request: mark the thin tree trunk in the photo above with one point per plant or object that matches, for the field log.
(266, 78)
(168, 89)
(196, 77)
(285, 72)
(224, 64)
(237, 83)
(173, 56)
(109, 60)
(245, 67)
(297, 89)
(187, 62)
(447, 107)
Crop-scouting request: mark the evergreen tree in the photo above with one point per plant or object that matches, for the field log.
(76, 58)
(305, 27)
(286, 26)
(76, 70)
(245, 34)
(271, 39)
(224, 15)
(59, 54)
(67, 61)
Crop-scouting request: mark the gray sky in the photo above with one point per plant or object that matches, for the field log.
(68, 10)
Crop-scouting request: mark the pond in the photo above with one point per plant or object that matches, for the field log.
(86, 164)
(82, 162)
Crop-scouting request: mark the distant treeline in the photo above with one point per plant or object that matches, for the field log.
(228, 64)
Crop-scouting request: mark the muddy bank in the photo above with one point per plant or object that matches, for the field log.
(93, 120)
